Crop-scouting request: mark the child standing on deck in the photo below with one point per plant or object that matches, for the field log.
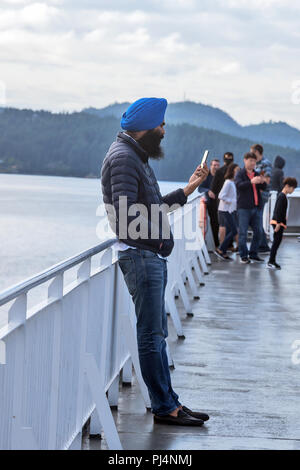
(279, 219)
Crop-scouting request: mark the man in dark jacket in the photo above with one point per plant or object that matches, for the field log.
(249, 185)
(218, 227)
(277, 174)
(210, 203)
(263, 166)
(129, 187)
(214, 167)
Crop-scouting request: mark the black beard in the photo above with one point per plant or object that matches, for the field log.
(150, 142)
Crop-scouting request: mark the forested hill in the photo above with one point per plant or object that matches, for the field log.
(209, 117)
(75, 145)
(187, 112)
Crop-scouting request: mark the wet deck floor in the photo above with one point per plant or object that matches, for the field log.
(235, 363)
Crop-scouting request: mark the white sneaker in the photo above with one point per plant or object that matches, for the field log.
(273, 266)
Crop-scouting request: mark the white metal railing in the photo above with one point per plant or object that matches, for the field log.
(267, 216)
(293, 214)
(64, 356)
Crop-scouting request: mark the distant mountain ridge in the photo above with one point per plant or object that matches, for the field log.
(209, 117)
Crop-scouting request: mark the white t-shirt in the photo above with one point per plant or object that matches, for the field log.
(121, 246)
(228, 197)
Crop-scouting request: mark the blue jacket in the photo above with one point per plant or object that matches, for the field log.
(266, 166)
(126, 172)
(245, 193)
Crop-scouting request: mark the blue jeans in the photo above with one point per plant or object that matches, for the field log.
(146, 277)
(263, 242)
(231, 229)
(249, 217)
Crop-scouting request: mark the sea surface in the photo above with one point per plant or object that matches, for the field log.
(45, 220)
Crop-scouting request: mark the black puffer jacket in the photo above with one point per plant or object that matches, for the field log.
(126, 172)
(277, 174)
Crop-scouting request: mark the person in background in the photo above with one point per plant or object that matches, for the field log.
(213, 193)
(278, 221)
(228, 206)
(264, 167)
(204, 187)
(277, 176)
(249, 185)
(214, 166)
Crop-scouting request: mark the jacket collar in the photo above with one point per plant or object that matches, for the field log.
(122, 137)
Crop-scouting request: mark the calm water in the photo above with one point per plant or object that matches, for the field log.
(44, 220)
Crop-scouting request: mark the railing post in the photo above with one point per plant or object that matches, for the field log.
(83, 275)
(95, 425)
(127, 372)
(128, 326)
(55, 291)
(171, 307)
(113, 393)
(202, 262)
(197, 268)
(170, 359)
(191, 280)
(22, 437)
(102, 406)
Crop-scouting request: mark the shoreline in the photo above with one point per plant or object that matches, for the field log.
(73, 177)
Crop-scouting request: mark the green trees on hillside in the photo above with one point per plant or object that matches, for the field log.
(75, 145)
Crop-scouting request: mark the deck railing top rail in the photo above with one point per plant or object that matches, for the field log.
(23, 287)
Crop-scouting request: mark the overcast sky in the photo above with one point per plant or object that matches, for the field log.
(242, 56)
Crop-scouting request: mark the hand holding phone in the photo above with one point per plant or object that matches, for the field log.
(204, 159)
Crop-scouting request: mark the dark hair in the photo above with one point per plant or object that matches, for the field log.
(289, 181)
(230, 171)
(249, 155)
(228, 154)
(258, 147)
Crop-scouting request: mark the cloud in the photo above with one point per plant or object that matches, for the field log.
(34, 15)
(67, 54)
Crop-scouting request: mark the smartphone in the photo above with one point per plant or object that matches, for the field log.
(205, 156)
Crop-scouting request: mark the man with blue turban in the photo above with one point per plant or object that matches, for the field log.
(130, 187)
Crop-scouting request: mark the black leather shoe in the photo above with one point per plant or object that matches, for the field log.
(182, 419)
(196, 414)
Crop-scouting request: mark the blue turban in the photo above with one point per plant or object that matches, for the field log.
(144, 114)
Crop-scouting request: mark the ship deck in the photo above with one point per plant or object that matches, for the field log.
(235, 363)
